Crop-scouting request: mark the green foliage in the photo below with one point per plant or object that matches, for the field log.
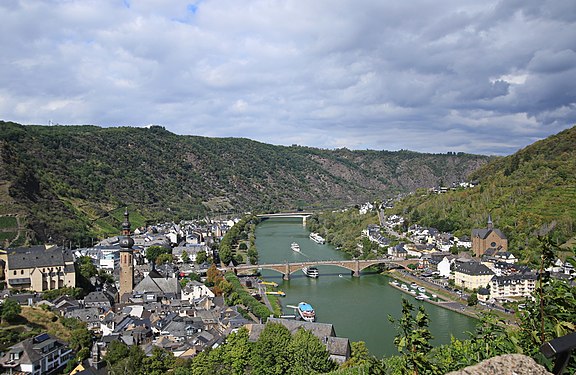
(237, 295)
(10, 309)
(153, 254)
(472, 299)
(86, 267)
(552, 312)
(530, 192)
(50, 295)
(116, 352)
(185, 257)
(71, 179)
(309, 355)
(343, 229)
(413, 341)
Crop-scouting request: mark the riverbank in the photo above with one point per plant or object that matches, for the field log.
(451, 301)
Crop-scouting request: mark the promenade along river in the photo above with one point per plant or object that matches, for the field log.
(358, 307)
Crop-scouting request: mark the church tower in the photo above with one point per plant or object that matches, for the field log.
(126, 260)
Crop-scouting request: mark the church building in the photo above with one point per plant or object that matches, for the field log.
(488, 240)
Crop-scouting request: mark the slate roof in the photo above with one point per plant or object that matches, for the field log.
(472, 268)
(38, 256)
(484, 233)
(159, 285)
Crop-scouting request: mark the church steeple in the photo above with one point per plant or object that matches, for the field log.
(490, 224)
(126, 223)
(126, 260)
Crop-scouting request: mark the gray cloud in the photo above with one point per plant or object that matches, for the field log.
(480, 77)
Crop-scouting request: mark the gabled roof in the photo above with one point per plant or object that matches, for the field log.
(484, 233)
(472, 268)
(38, 256)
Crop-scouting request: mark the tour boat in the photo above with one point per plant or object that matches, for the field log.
(306, 311)
(317, 238)
(294, 246)
(311, 272)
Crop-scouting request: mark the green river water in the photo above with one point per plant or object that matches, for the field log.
(358, 307)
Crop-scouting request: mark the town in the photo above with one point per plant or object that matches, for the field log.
(165, 301)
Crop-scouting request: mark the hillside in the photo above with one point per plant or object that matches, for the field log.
(528, 193)
(72, 182)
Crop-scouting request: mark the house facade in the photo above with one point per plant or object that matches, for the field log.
(516, 285)
(38, 355)
(472, 275)
(39, 268)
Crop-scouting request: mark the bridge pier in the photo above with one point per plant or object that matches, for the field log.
(356, 272)
(286, 275)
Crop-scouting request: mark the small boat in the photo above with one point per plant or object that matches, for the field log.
(311, 272)
(394, 282)
(306, 311)
(422, 289)
(278, 293)
(414, 285)
(424, 296)
(317, 238)
(404, 286)
(419, 298)
(294, 246)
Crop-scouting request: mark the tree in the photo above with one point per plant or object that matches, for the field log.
(413, 340)
(309, 354)
(472, 299)
(238, 353)
(116, 352)
(164, 258)
(153, 252)
(10, 309)
(185, 257)
(86, 267)
(201, 257)
(159, 363)
(271, 354)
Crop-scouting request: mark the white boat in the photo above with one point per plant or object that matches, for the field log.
(311, 272)
(419, 298)
(294, 246)
(404, 286)
(422, 289)
(317, 238)
(306, 311)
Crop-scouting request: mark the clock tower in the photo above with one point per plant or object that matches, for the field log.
(126, 261)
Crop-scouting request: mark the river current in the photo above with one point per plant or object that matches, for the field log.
(358, 307)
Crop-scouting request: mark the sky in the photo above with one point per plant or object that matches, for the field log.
(485, 77)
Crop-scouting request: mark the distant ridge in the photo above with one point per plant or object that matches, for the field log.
(70, 182)
(529, 193)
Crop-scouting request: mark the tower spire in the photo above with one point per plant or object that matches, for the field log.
(490, 224)
(126, 260)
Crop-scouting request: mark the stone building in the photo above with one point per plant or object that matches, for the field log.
(39, 268)
(488, 239)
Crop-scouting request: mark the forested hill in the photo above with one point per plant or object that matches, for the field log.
(71, 182)
(529, 193)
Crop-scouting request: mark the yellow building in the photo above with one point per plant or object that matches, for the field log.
(39, 268)
(472, 275)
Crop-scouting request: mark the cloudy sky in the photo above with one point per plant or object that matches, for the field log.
(486, 77)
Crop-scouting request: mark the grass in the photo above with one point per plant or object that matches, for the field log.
(44, 321)
(8, 222)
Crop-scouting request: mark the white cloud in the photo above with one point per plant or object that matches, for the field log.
(489, 77)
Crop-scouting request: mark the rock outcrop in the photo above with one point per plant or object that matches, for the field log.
(508, 364)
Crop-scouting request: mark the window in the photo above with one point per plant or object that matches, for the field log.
(21, 272)
(493, 244)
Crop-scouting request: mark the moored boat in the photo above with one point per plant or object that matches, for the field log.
(306, 311)
(294, 246)
(317, 238)
(311, 272)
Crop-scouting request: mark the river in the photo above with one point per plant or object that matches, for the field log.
(358, 307)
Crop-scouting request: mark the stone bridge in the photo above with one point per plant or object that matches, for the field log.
(355, 266)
